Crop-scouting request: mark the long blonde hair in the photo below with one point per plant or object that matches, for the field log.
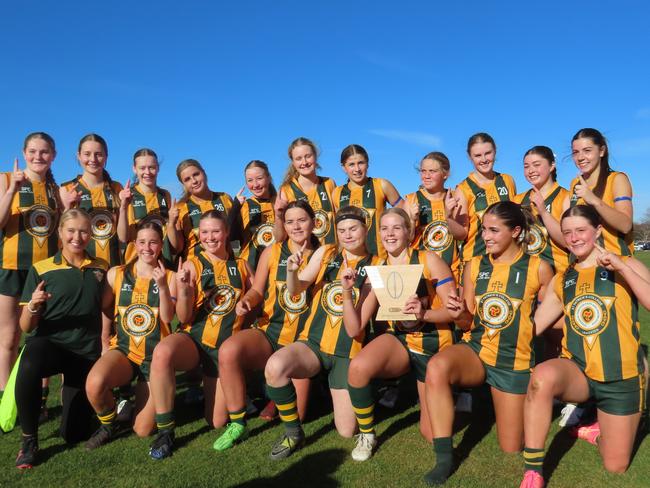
(291, 171)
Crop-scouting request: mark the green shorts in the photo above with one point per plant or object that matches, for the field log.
(507, 380)
(418, 361)
(12, 282)
(141, 371)
(208, 357)
(623, 397)
(336, 366)
(274, 345)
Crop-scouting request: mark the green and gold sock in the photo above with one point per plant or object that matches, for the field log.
(533, 459)
(364, 407)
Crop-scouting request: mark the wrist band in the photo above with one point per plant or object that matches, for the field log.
(31, 310)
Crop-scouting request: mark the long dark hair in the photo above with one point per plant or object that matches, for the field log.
(599, 140)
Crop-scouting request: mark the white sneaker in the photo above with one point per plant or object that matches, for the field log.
(366, 443)
(464, 402)
(571, 414)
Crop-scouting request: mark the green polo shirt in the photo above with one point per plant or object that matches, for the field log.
(71, 318)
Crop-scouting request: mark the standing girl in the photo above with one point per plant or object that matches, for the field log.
(602, 358)
(368, 194)
(196, 200)
(482, 188)
(209, 285)
(608, 191)
(94, 192)
(434, 210)
(140, 296)
(29, 209)
(323, 343)
(283, 317)
(500, 291)
(302, 183)
(408, 345)
(256, 213)
(145, 199)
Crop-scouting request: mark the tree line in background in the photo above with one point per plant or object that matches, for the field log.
(642, 228)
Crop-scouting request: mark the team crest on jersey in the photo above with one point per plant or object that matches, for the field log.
(436, 236)
(138, 320)
(368, 214)
(264, 235)
(538, 240)
(496, 311)
(221, 301)
(291, 304)
(101, 226)
(589, 316)
(321, 223)
(39, 222)
(332, 299)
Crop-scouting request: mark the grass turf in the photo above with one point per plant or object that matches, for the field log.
(402, 458)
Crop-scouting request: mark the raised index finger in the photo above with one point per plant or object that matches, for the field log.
(180, 264)
(16, 168)
(600, 248)
(40, 286)
(241, 192)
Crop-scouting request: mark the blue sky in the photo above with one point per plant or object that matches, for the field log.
(226, 83)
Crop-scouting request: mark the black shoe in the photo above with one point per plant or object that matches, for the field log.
(162, 445)
(287, 445)
(44, 415)
(102, 436)
(27, 455)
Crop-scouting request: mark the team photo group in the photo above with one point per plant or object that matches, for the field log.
(533, 294)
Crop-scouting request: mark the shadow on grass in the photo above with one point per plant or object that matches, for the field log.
(314, 470)
(398, 426)
(561, 444)
(186, 439)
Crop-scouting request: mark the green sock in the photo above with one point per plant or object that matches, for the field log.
(285, 401)
(238, 416)
(165, 421)
(443, 447)
(364, 407)
(533, 459)
(107, 417)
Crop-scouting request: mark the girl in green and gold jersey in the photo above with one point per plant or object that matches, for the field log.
(608, 191)
(408, 345)
(209, 285)
(368, 194)
(95, 192)
(282, 318)
(482, 188)
(434, 212)
(500, 292)
(256, 215)
(143, 200)
(29, 210)
(323, 343)
(196, 200)
(139, 297)
(302, 183)
(598, 296)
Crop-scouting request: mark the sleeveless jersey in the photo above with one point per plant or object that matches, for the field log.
(257, 217)
(189, 215)
(103, 206)
(612, 239)
(138, 327)
(324, 326)
(430, 338)
(283, 315)
(601, 325)
(542, 244)
(144, 204)
(29, 235)
(371, 199)
(432, 233)
(218, 288)
(320, 199)
(479, 198)
(505, 296)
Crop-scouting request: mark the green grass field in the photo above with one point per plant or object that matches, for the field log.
(401, 460)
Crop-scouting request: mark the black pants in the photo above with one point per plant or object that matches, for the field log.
(42, 359)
